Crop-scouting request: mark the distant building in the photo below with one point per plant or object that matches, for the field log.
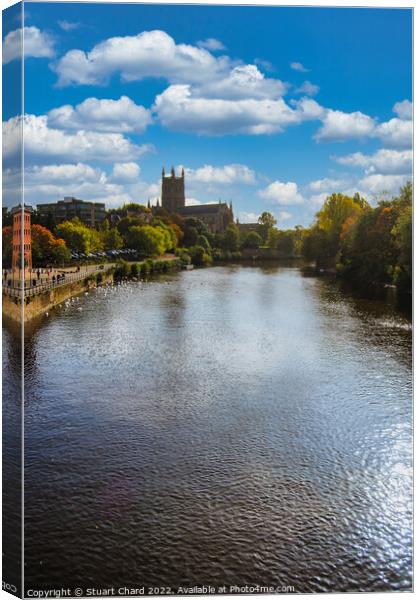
(217, 216)
(89, 213)
(246, 228)
(21, 237)
(172, 191)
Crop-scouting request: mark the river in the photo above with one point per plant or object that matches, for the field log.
(226, 426)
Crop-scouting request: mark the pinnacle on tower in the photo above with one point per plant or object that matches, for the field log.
(162, 172)
(173, 171)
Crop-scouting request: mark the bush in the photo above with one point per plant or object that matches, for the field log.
(199, 256)
(135, 270)
(99, 278)
(184, 256)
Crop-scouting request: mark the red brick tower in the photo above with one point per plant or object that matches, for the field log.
(22, 244)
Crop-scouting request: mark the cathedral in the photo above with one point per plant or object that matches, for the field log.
(216, 216)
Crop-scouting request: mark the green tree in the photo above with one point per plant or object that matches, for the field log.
(231, 239)
(112, 239)
(267, 221)
(78, 237)
(147, 240)
(199, 256)
(252, 240)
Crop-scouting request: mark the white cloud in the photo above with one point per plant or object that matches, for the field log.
(297, 66)
(244, 81)
(377, 184)
(38, 44)
(383, 161)
(50, 183)
(404, 110)
(281, 193)
(308, 109)
(396, 132)
(191, 202)
(211, 44)
(319, 199)
(68, 25)
(308, 88)
(322, 185)
(148, 54)
(284, 215)
(121, 115)
(228, 174)
(248, 217)
(125, 172)
(178, 109)
(339, 126)
(265, 64)
(45, 144)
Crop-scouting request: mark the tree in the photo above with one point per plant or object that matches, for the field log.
(203, 241)
(46, 249)
(112, 239)
(252, 240)
(325, 243)
(231, 240)
(199, 256)
(191, 236)
(402, 232)
(6, 239)
(75, 235)
(147, 240)
(267, 220)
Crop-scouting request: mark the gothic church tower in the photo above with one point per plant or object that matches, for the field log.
(173, 191)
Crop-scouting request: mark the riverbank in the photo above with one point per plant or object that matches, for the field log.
(39, 300)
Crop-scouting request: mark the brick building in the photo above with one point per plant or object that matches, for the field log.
(21, 237)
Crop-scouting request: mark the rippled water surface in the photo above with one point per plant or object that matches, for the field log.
(226, 426)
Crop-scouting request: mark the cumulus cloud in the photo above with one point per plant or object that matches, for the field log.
(148, 54)
(125, 172)
(178, 109)
(308, 88)
(285, 194)
(308, 109)
(45, 144)
(248, 217)
(396, 132)
(404, 110)
(322, 185)
(211, 44)
(297, 66)
(382, 161)
(50, 183)
(265, 64)
(121, 115)
(340, 126)
(228, 174)
(284, 215)
(244, 81)
(68, 25)
(318, 200)
(378, 183)
(38, 44)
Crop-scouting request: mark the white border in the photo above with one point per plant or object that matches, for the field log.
(291, 3)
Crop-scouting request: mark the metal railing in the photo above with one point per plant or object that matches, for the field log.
(29, 290)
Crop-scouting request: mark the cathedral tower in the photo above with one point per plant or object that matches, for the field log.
(173, 191)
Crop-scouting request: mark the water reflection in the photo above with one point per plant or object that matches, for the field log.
(224, 426)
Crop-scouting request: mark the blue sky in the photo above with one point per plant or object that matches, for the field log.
(270, 107)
